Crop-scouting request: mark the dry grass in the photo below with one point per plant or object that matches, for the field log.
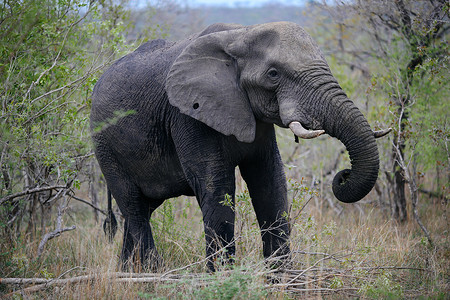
(353, 254)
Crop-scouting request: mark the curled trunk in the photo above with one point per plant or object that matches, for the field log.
(352, 185)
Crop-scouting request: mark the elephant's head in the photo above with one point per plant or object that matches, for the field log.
(273, 73)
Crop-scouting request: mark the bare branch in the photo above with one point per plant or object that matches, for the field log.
(32, 191)
(88, 203)
(413, 190)
(51, 235)
(433, 194)
(57, 232)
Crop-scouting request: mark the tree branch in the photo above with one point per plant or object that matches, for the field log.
(88, 203)
(57, 232)
(434, 194)
(32, 191)
(51, 235)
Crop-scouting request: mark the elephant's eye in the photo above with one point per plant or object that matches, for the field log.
(273, 74)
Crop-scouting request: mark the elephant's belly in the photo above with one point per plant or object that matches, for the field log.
(163, 180)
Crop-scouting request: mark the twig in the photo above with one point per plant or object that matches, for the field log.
(70, 270)
(301, 209)
(202, 260)
(309, 268)
(319, 253)
(88, 203)
(413, 190)
(58, 194)
(393, 268)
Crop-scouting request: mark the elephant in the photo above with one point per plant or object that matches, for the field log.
(177, 118)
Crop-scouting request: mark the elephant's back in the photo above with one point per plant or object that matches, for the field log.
(134, 81)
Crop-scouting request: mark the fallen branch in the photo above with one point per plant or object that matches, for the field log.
(43, 283)
(314, 279)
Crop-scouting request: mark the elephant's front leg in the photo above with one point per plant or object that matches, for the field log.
(211, 177)
(266, 182)
(215, 195)
(218, 218)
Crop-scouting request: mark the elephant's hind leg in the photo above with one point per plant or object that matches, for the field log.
(138, 250)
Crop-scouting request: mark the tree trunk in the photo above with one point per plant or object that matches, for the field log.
(398, 204)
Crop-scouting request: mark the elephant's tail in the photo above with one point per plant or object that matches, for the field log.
(110, 224)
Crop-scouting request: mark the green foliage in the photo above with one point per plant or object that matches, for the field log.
(237, 285)
(382, 288)
(234, 284)
(51, 53)
(48, 73)
(430, 114)
(423, 98)
(118, 115)
(228, 202)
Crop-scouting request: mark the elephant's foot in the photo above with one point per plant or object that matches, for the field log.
(280, 259)
(152, 262)
(221, 259)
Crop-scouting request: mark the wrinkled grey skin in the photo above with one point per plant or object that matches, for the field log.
(206, 104)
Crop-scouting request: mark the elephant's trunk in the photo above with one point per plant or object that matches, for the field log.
(355, 133)
(325, 106)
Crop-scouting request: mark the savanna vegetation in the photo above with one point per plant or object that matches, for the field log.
(391, 57)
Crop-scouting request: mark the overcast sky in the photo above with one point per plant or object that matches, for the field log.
(234, 3)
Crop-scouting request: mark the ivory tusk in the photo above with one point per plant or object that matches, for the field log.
(381, 133)
(303, 133)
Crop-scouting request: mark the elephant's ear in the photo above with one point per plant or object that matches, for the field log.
(203, 83)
